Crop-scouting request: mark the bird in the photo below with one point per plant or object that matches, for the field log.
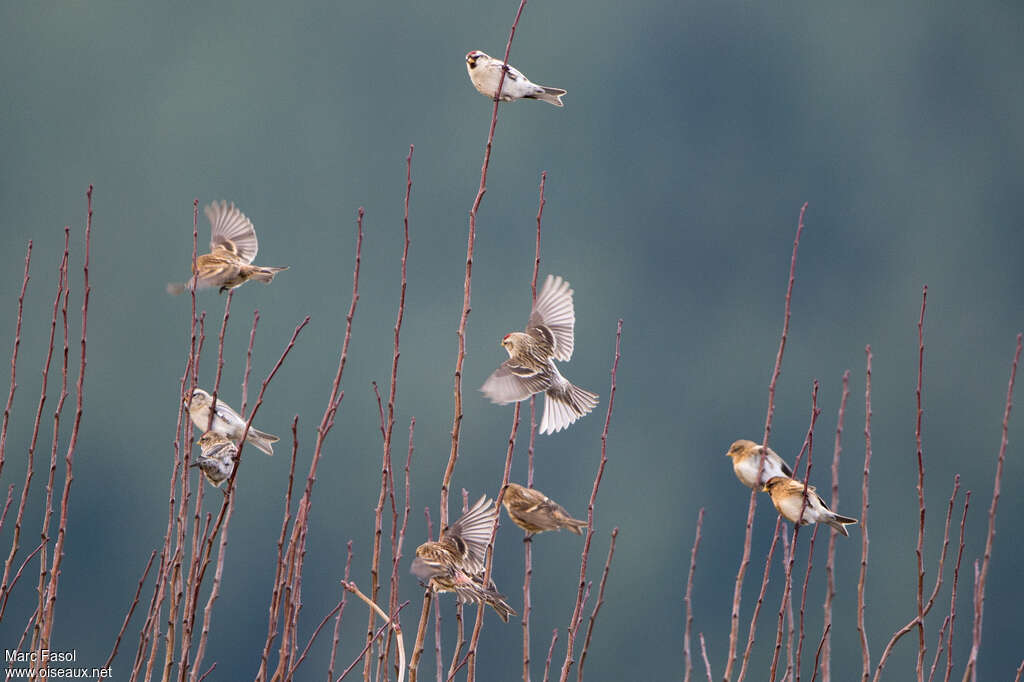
(534, 512)
(530, 369)
(485, 72)
(788, 497)
(226, 421)
(746, 461)
(233, 246)
(455, 562)
(217, 460)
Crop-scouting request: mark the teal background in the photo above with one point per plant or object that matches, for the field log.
(692, 134)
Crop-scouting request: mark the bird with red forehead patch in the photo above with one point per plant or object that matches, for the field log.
(530, 368)
(485, 73)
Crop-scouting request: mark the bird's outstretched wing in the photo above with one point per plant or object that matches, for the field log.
(231, 230)
(553, 317)
(511, 383)
(473, 532)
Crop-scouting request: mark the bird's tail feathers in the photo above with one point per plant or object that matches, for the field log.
(261, 440)
(551, 95)
(264, 274)
(575, 525)
(565, 403)
(841, 522)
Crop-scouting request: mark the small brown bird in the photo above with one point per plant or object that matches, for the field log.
(534, 512)
(226, 421)
(233, 247)
(788, 497)
(746, 461)
(529, 368)
(217, 460)
(485, 72)
(455, 562)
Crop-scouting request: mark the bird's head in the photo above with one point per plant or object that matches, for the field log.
(772, 482)
(473, 56)
(742, 448)
(200, 399)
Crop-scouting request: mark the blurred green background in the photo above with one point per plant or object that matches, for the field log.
(692, 134)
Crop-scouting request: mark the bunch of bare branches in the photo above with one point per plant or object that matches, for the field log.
(187, 566)
(925, 601)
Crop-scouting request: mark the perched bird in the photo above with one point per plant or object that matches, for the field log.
(534, 512)
(529, 368)
(485, 72)
(217, 460)
(455, 562)
(226, 421)
(788, 497)
(232, 248)
(746, 460)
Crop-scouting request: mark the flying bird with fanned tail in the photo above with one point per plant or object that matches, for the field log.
(226, 421)
(535, 512)
(233, 247)
(455, 562)
(530, 368)
(485, 72)
(788, 498)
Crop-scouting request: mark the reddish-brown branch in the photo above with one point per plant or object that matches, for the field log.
(527, 543)
(734, 618)
(803, 605)
(131, 610)
(956, 581)
(47, 614)
(248, 361)
(341, 612)
(14, 358)
(864, 505)
(551, 650)
(788, 582)
(817, 656)
(688, 661)
(580, 598)
(825, 649)
(919, 669)
(467, 284)
(5, 586)
(598, 604)
(764, 578)
(917, 621)
(274, 610)
(312, 638)
(970, 672)
(399, 542)
(704, 656)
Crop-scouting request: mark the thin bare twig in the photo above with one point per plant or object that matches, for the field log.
(351, 587)
(580, 597)
(825, 651)
(970, 672)
(688, 662)
(865, 652)
(704, 656)
(734, 619)
(551, 650)
(14, 359)
(598, 604)
(956, 581)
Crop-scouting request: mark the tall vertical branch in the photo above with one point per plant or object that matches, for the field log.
(864, 494)
(574, 621)
(598, 604)
(467, 284)
(14, 357)
(920, 492)
(970, 672)
(788, 582)
(687, 656)
(47, 615)
(528, 540)
(734, 618)
(825, 649)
